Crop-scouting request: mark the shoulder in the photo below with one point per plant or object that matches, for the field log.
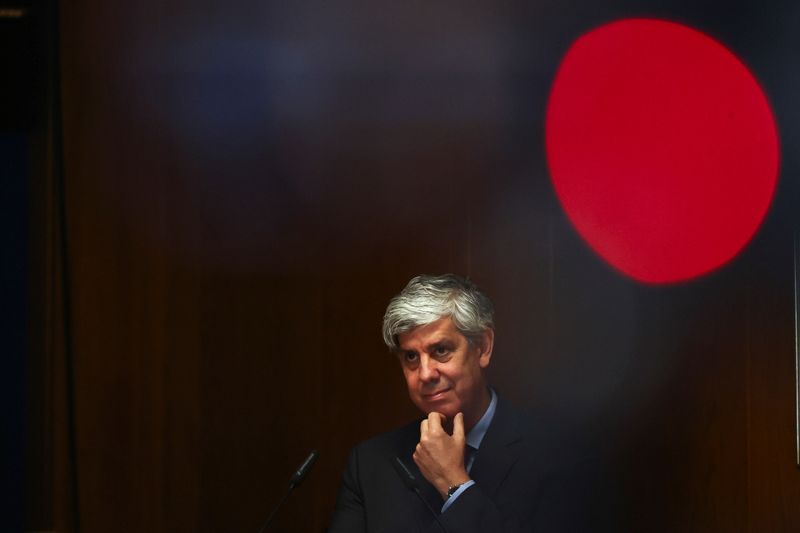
(544, 437)
(399, 441)
(555, 446)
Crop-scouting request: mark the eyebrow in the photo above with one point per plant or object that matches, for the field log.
(441, 342)
(427, 347)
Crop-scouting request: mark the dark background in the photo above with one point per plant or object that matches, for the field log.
(241, 187)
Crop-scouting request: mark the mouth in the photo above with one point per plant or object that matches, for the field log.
(438, 395)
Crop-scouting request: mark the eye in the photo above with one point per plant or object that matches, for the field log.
(410, 357)
(441, 350)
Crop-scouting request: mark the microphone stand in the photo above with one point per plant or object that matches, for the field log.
(412, 484)
(297, 478)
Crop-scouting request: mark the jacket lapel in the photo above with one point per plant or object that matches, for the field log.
(499, 450)
(427, 490)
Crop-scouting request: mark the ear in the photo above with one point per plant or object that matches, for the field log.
(485, 346)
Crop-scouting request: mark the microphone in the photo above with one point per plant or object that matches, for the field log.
(411, 483)
(302, 472)
(405, 474)
(297, 478)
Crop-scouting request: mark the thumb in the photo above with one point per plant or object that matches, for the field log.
(458, 426)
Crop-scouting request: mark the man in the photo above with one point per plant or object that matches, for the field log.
(470, 458)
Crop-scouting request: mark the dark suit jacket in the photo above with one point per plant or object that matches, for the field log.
(520, 483)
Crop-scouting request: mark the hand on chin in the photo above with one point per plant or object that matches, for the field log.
(449, 412)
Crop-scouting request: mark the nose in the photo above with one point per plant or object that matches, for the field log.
(428, 369)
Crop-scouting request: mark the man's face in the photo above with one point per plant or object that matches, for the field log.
(443, 371)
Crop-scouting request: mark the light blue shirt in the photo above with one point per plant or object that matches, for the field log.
(474, 439)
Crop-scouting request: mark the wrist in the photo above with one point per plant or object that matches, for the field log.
(452, 489)
(449, 486)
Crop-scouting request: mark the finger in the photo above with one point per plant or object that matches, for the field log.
(423, 427)
(435, 420)
(419, 451)
(458, 426)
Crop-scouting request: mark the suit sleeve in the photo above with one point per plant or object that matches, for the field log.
(349, 515)
(475, 512)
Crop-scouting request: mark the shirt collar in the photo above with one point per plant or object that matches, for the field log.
(476, 434)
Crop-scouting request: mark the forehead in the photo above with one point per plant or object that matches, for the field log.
(440, 330)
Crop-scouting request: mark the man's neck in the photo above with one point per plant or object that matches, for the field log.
(477, 414)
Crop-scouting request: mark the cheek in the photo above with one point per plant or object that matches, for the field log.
(411, 380)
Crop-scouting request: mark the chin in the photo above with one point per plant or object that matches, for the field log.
(450, 412)
(447, 409)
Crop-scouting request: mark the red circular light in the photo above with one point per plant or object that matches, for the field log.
(662, 148)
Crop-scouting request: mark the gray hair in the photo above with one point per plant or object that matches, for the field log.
(426, 299)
